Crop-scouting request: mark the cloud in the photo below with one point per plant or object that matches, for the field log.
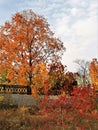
(8, 8)
(83, 38)
(80, 36)
(74, 11)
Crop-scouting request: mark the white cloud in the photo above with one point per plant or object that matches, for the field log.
(80, 39)
(74, 11)
(86, 27)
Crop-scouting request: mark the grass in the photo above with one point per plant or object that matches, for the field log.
(23, 119)
(14, 117)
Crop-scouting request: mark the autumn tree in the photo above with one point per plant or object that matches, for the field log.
(25, 42)
(70, 82)
(83, 70)
(61, 81)
(40, 79)
(94, 72)
(56, 77)
(3, 78)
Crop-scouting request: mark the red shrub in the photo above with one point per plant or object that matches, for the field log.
(77, 110)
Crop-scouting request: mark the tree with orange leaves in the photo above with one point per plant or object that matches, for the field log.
(40, 79)
(94, 73)
(25, 42)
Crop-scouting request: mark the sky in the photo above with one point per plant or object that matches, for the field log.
(75, 22)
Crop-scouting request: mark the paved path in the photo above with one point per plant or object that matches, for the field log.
(24, 99)
(21, 99)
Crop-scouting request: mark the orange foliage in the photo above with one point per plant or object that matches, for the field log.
(94, 73)
(41, 78)
(25, 44)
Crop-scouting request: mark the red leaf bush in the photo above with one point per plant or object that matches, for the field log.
(75, 111)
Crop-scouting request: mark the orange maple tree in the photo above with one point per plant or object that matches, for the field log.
(40, 79)
(94, 73)
(25, 42)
